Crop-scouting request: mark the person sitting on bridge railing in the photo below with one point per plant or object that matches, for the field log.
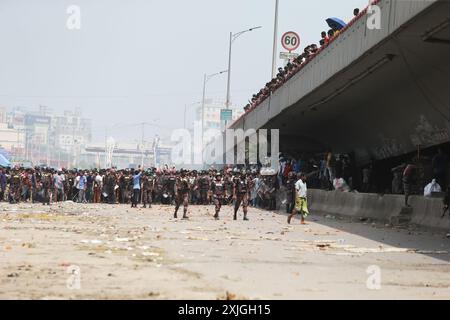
(286, 73)
(331, 33)
(324, 39)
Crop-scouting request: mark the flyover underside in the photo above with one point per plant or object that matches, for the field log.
(393, 99)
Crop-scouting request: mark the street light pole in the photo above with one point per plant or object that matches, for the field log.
(206, 78)
(275, 41)
(227, 101)
(233, 37)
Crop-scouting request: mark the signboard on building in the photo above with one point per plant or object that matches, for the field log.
(226, 115)
(31, 120)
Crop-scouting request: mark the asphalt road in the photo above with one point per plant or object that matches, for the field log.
(73, 251)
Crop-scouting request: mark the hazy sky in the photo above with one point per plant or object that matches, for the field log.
(144, 60)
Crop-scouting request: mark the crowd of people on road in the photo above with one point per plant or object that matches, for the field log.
(238, 187)
(253, 186)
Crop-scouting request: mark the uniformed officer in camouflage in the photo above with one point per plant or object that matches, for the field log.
(203, 185)
(182, 189)
(241, 194)
(147, 189)
(169, 182)
(110, 185)
(158, 187)
(14, 188)
(218, 189)
(290, 192)
(47, 187)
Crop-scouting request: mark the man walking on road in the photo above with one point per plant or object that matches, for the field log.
(301, 203)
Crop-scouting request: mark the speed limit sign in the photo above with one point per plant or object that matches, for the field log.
(290, 41)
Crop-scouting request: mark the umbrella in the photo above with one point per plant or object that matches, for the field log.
(4, 162)
(336, 23)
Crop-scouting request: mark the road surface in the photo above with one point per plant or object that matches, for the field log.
(76, 251)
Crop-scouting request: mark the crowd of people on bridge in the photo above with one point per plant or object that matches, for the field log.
(294, 66)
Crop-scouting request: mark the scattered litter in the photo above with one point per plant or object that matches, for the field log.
(197, 238)
(13, 275)
(322, 241)
(95, 241)
(231, 296)
(347, 254)
(150, 254)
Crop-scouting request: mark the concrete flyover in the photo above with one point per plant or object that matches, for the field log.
(378, 93)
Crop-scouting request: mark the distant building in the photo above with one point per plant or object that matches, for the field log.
(212, 114)
(2, 115)
(126, 155)
(16, 118)
(11, 140)
(71, 130)
(47, 138)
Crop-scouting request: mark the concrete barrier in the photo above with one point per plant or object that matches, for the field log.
(425, 211)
